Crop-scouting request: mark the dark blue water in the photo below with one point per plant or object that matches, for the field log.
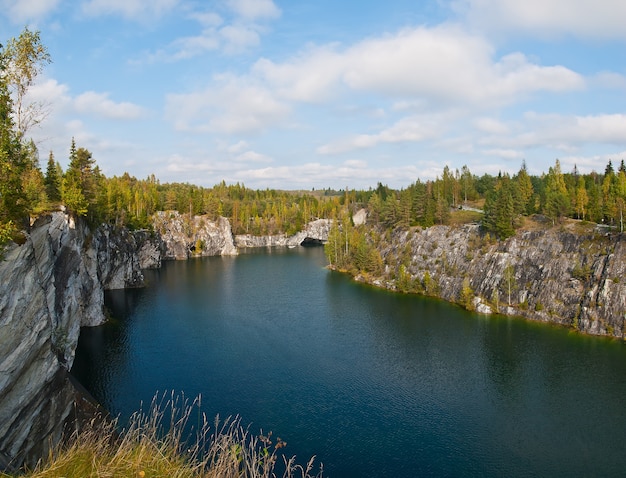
(372, 383)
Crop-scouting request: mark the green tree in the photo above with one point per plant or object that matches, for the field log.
(467, 182)
(525, 190)
(72, 193)
(81, 183)
(467, 294)
(557, 202)
(499, 210)
(53, 179)
(12, 164)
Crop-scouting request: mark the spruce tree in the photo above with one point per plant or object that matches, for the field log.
(53, 180)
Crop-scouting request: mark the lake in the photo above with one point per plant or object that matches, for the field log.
(371, 382)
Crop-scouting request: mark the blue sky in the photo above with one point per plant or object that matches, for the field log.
(313, 94)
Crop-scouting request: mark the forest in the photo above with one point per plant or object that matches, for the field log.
(499, 203)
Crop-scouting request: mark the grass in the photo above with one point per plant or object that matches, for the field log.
(459, 217)
(155, 444)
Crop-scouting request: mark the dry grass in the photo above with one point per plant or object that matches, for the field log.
(155, 444)
(462, 216)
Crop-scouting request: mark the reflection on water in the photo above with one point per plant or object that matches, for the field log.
(373, 383)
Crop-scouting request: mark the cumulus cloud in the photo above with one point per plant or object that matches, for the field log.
(586, 164)
(239, 37)
(99, 104)
(230, 107)
(504, 153)
(409, 129)
(586, 18)
(562, 132)
(130, 9)
(490, 126)
(254, 9)
(23, 11)
(237, 30)
(441, 64)
(47, 89)
(252, 157)
(421, 69)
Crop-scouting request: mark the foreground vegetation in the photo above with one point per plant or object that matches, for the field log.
(155, 444)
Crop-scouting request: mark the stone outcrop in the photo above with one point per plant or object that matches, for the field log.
(51, 286)
(315, 232)
(183, 237)
(117, 252)
(562, 275)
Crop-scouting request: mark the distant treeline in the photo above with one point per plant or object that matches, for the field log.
(506, 199)
(128, 201)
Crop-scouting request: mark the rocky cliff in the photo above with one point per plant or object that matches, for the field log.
(183, 237)
(315, 232)
(571, 274)
(51, 286)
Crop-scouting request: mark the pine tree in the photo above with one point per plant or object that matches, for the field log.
(80, 183)
(53, 179)
(557, 202)
(525, 189)
(499, 210)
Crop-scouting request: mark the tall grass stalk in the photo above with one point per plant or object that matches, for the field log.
(162, 442)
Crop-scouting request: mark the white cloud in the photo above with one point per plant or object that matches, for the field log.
(22, 11)
(130, 9)
(561, 132)
(321, 175)
(207, 19)
(409, 129)
(47, 89)
(236, 148)
(490, 126)
(444, 64)
(99, 104)
(230, 107)
(237, 38)
(252, 157)
(309, 77)
(586, 164)
(189, 47)
(239, 32)
(254, 9)
(428, 70)
(586, 18)
(504, 153)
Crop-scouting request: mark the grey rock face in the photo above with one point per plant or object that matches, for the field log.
(183, 237)
(314, 232)
(117, 258)
(51, 286)
(550, 275)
